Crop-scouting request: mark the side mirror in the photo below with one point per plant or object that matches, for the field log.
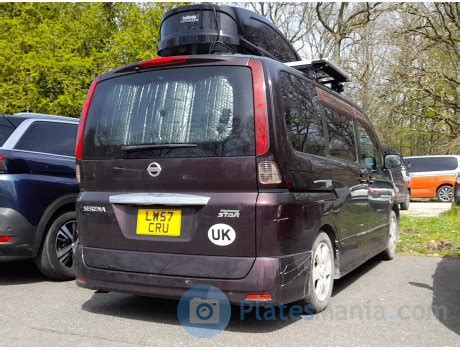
(393, 161)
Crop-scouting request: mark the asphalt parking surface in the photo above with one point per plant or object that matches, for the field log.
(408, 301)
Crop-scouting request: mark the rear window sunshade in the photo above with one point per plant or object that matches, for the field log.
(208, 109)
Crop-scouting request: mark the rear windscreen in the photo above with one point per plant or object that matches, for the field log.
(210, 109)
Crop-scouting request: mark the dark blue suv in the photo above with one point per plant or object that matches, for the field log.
(38, 189)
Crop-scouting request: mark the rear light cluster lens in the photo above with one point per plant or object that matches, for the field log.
(260, 107)
(259, 297)
(161, 61)
(5, 239)
(80, 279)
(84, 115)
(3, 168)
(269, 173)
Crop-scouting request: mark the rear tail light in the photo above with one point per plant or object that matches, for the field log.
(458, 180)
(259, 297)
(80, 279)
(5, 239)
(260, 107)
(268, 173)
(161, 61)
(84, 116)
(3, 168)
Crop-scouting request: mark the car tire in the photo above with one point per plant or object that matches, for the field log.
(60, 240)
(445, 193)
(393, 235)
(405, 204)
(321, 277)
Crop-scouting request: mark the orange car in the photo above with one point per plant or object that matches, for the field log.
(433, 176)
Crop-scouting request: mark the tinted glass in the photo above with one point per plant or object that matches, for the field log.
(210, 107)
(5, 132)
(369, 153)
(49, 137)
(431, 164)
(341, 135)
(302, 115)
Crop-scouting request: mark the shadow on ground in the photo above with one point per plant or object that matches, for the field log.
(345, 281)
(446, 293)
(19, 271)
(165, 311)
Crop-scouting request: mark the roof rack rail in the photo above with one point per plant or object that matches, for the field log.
(323, 71)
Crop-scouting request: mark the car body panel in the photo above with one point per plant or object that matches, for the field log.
(426, 185)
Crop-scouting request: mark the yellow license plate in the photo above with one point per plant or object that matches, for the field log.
(154, 222)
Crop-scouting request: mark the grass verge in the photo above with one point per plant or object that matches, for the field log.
(434, 236)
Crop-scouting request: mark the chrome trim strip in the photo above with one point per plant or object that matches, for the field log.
(43, 153)
(159, 198)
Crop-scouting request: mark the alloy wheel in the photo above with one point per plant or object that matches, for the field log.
(66, 240)
(393, 238)
(445, 194)
(322, 271)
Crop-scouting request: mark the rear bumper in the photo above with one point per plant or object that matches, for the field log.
(283, 277)
(22, 232)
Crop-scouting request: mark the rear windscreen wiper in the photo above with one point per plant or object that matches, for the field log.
(146, 147)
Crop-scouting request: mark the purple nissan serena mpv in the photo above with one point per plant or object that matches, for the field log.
(237, 171)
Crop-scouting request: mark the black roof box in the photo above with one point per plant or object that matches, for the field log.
(209, 28)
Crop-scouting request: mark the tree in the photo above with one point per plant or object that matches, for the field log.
(402, 60)
(50, 52)
(423, 80)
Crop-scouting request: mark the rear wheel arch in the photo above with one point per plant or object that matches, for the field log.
(330, 231)
(395, 208)
(54, 210)
(444, 184)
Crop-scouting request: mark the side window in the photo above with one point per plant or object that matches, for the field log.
(49, 137)
(369, 153)
(341, 136)
(302, 115)
(432, 164)
(5, 132)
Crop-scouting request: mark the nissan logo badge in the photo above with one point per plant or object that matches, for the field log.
(154, 169)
